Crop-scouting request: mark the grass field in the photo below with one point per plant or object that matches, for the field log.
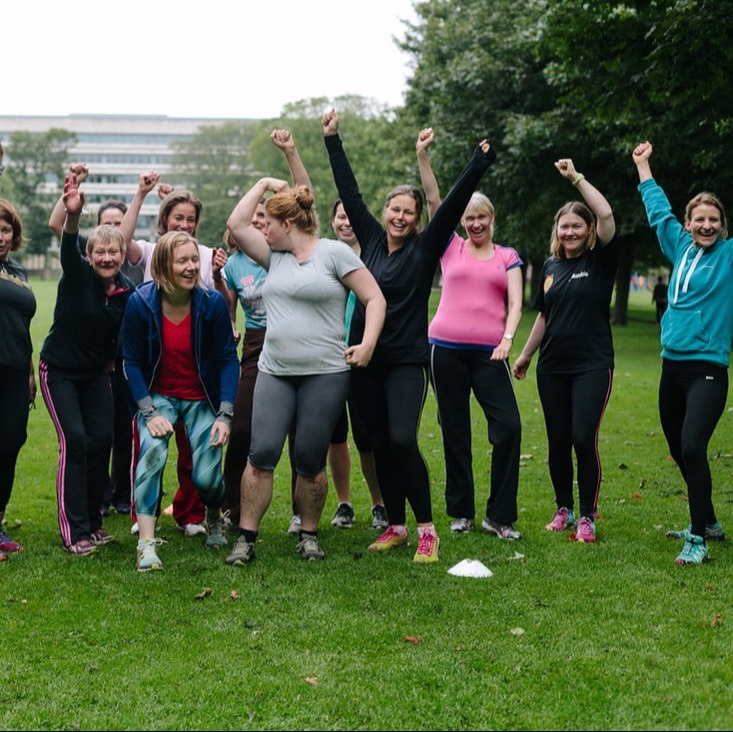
(563, 636)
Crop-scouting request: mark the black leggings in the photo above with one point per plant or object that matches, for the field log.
(387, 401)
(692, 396)
(14, 397)
(573, 405)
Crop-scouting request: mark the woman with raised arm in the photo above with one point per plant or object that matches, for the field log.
(76, 361)
(576, 361)
(388, 396)
(696, 335)
(305, 364)
(470, 339)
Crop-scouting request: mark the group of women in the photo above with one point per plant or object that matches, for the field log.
(181, 367)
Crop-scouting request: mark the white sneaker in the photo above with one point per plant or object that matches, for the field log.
(294, 527)
(134, 528)
(192, 529)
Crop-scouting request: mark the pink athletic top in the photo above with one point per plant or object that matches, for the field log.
(472, 307)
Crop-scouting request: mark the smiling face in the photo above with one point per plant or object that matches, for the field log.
(705, 224)
(185, 266)
(479, 225)
(572, 231)
(342, 226)
(400, 217)
(106, 256)
(6, 239)
(182, 217)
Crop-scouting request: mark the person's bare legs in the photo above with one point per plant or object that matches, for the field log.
(256, 495)
(369, 471)
(339, 461)
(310, 495)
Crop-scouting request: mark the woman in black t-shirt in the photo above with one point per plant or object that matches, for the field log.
(573, 332)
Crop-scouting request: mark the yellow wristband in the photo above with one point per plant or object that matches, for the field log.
(578, 178)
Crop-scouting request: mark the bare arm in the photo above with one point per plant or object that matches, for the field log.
(513, 316)
(429, 182)
(533, 343)
(146, 184)
(284, 140)
(58, 215)
(250, 240)
(641, 156)
(593, 197)
(361, 281)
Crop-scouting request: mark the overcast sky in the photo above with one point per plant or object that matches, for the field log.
(205, 58)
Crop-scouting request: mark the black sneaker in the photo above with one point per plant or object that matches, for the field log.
(379, 517)
(344, 516)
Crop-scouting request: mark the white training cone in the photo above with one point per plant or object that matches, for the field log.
(470, 568)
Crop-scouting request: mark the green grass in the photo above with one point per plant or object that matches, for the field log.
(615, 636)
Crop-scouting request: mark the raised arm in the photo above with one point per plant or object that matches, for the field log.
(640, 156)
(425, 139)
(58, 215)
(593, 197)
(146, 183)
(284, 140)
(249, 239)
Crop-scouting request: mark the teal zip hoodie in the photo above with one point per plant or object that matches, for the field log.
(698, 322)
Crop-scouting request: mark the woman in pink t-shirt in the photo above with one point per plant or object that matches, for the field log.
(470, 338)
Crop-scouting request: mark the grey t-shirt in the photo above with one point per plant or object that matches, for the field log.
(305, 303)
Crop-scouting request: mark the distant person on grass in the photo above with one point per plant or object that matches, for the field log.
(576, 361)
(659, 298)
(17, 375)
(697, 331)
(75, 367)
(181, 366)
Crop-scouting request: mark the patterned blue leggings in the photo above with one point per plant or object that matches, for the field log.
(198, 418)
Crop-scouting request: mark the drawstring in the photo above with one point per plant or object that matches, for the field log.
(686, 284)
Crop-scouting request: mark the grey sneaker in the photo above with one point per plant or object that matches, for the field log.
(215, 529)
(503, 532)
(461, 524)
(309, 548)
(243, 552)
(344, 516)
(379, 517)
(147, 557)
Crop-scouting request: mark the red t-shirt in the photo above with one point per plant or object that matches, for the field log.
(176, 375)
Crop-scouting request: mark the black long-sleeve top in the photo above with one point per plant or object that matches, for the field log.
(406, 275)
(86, 322)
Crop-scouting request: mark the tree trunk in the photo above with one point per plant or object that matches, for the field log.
(623, 277)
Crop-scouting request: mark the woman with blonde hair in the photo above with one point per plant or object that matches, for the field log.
(181, 366)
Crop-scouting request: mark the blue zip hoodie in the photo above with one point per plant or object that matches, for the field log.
(698, 322)
(213, 346)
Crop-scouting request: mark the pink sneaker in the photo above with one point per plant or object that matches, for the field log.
(7, 545)
(427, 548)
(563, 519)
(390, 539)
(586, 531)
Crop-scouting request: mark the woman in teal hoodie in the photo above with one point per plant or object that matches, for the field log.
(696, 333)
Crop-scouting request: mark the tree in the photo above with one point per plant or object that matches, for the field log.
(36, 163)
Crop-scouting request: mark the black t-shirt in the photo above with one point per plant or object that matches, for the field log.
(575, 297)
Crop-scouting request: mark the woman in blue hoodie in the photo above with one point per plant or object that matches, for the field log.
(696, 334)
(181, 366)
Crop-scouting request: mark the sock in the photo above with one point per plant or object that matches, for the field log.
(249, 536)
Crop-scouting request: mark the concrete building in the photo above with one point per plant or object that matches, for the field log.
(117, 149)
